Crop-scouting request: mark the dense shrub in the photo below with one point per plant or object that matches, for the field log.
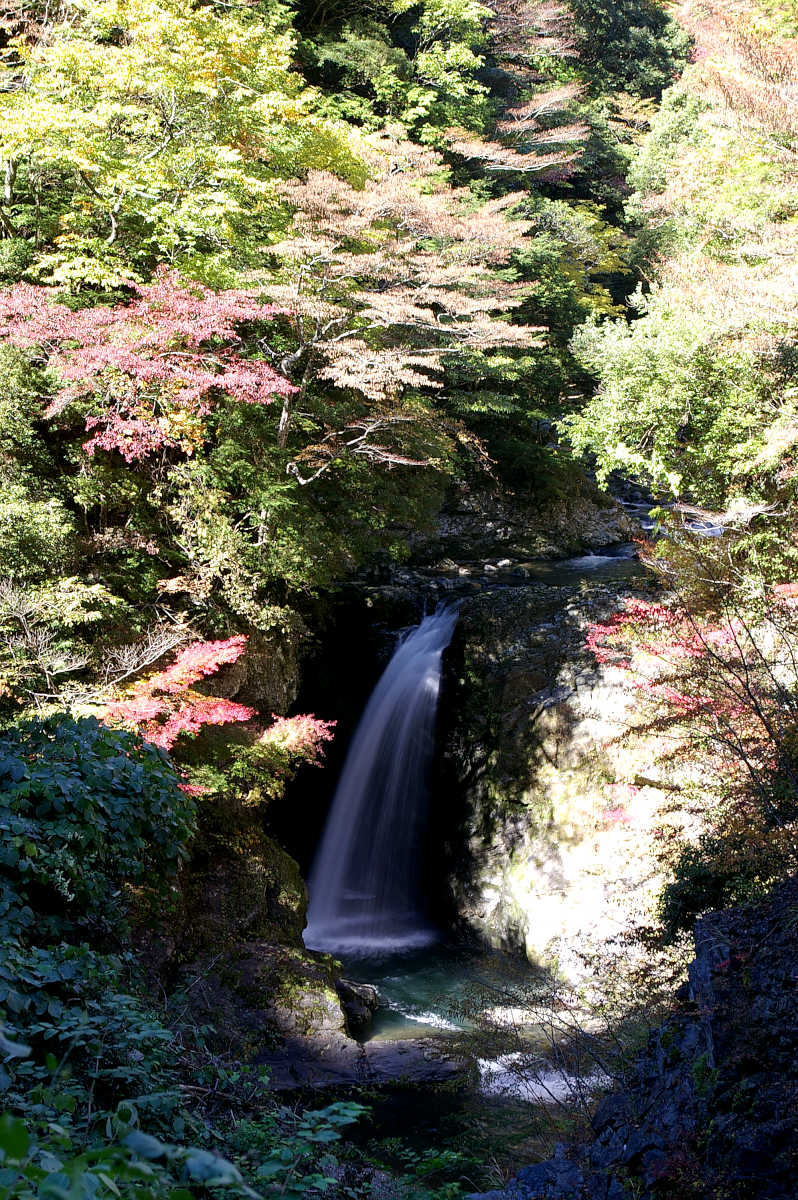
(85, 812)
(717, 871)
(36, 536)
(16, 255)
(632, 44)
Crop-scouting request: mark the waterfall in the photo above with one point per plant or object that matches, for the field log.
(365, 882)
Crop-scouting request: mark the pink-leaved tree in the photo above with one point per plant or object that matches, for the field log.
(166, 705)
(720, 691)
(163, 706)
(150, 369)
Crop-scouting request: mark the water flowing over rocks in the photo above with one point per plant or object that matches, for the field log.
(520, 773)
(710, 1109)
(365, 889)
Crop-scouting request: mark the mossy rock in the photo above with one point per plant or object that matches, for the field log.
(267, 674)
(526, 726)
(259, 893)
(255, 996)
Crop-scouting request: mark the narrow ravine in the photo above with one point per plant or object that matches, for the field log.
(433, 981)
(398, 599)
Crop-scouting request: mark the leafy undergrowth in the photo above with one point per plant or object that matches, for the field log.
(109, 1088)
(107, 1092)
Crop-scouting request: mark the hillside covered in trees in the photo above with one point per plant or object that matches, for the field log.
(285, 289)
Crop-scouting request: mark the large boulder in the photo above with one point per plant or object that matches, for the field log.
(232, 898)
(553, 812)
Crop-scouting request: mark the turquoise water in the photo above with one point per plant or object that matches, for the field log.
(439, 990)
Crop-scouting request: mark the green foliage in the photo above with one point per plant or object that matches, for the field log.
(675, 124)
(699, 182)
(680, 405)
(425, 75)
(289, 1152)
(574, 253)
(696, 394)
(62, 1167)
(120, 158)
(94, 1044)
(87, 812)
(783, 16)
(51, 632)
(112, 1156)
(260, 772)
(107, 177)
(89, 815)
(16, 255)
(424, 1168)
(23, 451)
(37, 537)
(250, 532)
(708, 876)
(631, 45)
(150, 1167)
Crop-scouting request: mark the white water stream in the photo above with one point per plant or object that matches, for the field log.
(365, 883)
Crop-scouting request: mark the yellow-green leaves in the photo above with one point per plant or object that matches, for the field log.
(156, 128)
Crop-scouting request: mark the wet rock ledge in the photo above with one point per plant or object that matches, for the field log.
(712, 1108)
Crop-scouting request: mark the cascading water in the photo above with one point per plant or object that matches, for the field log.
(365, 883)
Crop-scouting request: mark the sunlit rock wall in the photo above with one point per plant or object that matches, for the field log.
(559, 800)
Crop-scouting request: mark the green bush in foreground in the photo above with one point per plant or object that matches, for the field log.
(91, 1080)
(86, 813)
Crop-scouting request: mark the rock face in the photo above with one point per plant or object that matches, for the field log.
(237, 948)
(256, 893)
(267, 675)
(359, 1002)
(477, 523)
(711, 1109)
(552, 818)
(321, 1062)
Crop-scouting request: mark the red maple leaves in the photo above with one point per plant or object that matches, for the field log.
(155, 365)
(163, 706)
(642, 626)
(672, 655)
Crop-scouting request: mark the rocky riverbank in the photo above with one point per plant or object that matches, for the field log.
(711, 1109)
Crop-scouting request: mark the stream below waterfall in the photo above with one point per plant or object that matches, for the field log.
(436, 990)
